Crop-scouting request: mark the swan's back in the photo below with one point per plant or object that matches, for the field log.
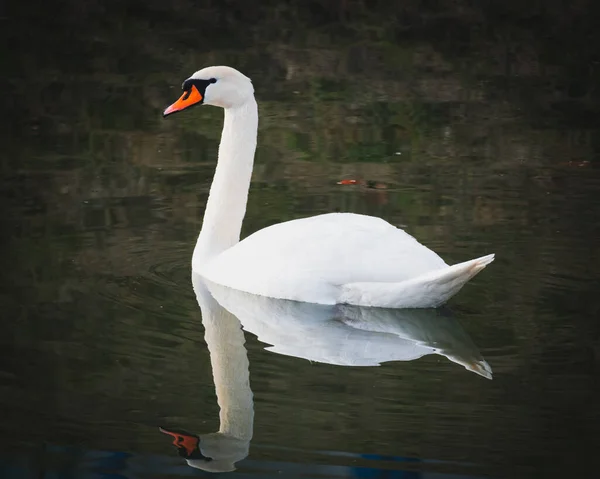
(311, 258)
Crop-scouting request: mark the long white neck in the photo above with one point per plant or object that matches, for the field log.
(228, 196)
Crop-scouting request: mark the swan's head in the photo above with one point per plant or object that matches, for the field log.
(218, 86)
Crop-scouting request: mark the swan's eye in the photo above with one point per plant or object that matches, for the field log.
(213, 80)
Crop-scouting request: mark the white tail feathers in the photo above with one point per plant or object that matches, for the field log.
(429, 290)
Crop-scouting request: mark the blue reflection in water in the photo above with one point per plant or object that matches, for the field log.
(69, 462)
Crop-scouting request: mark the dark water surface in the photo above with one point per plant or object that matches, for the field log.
(480, 127)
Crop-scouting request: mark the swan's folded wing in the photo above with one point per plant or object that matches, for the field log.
(311, 258)
(429, 290)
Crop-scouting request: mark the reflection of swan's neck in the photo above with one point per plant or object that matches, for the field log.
(229, 360)
(226, 204)
(225, 340)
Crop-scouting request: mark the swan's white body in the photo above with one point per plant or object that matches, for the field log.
(340, 258)
(326, 259)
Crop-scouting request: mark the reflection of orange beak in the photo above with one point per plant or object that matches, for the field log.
(183, 441)
(189, 98)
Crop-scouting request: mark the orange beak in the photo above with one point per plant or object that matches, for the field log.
(189, 98)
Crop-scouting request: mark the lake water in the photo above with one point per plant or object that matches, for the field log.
(474, 128)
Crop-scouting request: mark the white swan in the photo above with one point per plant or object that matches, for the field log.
(327, 259)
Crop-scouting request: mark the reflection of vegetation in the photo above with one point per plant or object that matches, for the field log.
(438, 102)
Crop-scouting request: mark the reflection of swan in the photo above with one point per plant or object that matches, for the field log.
(351, 335)
(341, 335)
(218, 452)
(329, 259)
